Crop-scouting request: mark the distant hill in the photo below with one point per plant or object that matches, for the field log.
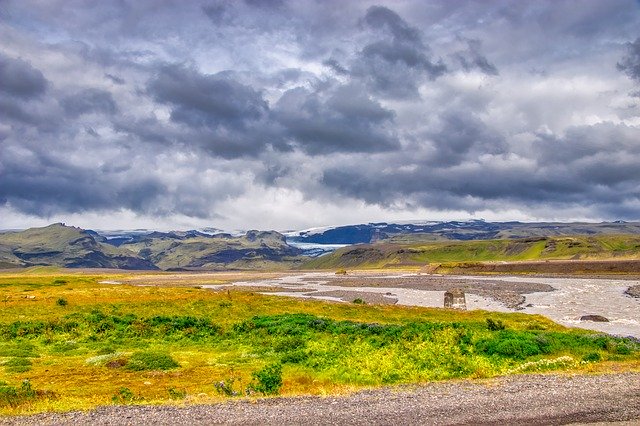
(455, 230)
(64, 246)
(397, 252)
(196, 250)
(70, 247)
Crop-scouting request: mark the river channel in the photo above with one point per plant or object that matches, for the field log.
(564, 300)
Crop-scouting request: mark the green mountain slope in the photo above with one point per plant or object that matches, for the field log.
(398, 253)
(254, 250)
(64, 246)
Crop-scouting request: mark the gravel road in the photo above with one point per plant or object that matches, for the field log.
(522, 400)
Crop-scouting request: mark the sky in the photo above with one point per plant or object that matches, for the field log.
(293, 114)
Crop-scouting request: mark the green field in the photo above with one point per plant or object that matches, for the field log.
(68, 342)
(412, 251)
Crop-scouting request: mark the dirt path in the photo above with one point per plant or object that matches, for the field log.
(522, 400)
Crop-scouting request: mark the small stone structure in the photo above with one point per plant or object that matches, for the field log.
(455, 299)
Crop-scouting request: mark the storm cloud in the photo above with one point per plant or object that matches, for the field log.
(630, 63)
(343, 120)
(398, 61)
(20, 79)
(289, 114)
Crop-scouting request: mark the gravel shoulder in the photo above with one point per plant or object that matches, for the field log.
(523, 400)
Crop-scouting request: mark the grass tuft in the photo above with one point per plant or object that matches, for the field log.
(142, 361)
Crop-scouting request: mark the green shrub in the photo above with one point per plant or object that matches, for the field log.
(66, 346)
(125, 396)
(141, 361)
(496, 325)
(12, 396)
(177, 393)
(294, 357)
(359, 301)
(17, 365)
(592, 357)
(62, 302)
(18, 350)
(289, 344)
(106, 350)
(535, 325)
(267, 381)
(512, 345)
(623, 349)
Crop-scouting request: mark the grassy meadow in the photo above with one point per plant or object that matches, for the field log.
(414, 250)
(68, 342)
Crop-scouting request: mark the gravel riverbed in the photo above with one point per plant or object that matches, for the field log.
(523, 400)
(564, 299)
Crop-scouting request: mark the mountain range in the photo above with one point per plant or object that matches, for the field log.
(71, 247)
(456, 230)
(379, 243)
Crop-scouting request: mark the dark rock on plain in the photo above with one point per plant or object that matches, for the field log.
(594, 318)
(633, 291)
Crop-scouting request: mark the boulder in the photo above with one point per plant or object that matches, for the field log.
(633, 291)
(594, 318)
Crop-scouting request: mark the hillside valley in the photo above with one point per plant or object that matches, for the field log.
(71, 247)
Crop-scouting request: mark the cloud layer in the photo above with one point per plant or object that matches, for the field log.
(299, 113)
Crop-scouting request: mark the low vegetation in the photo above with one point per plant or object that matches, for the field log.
(459, 255)
(119, 344)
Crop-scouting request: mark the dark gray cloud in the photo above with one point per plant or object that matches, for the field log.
(281, 113)
(630, 63)
(600, 162)
(398, 61)
(460, 136)
(144, 129)
(223, 114)
(19, 78)
(14, 111)
(335, 66)
(218, 12)
(115, 79)
(380, 17)
(42, 183)
(88, 101)
(207, 100)
(343, 120)
(472, 57)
